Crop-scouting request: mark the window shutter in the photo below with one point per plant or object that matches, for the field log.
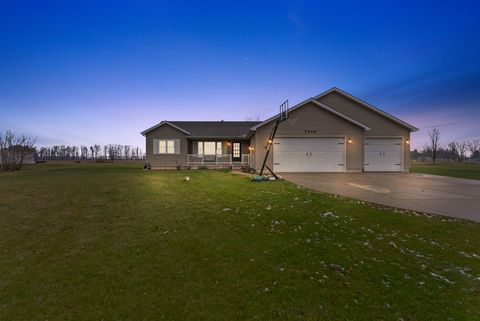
(155, 145)
(177, 146)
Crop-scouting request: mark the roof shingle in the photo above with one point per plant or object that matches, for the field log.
(218, 129)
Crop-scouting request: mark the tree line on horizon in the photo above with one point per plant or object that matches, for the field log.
(16, 150)
(93, 152)
(459, 151)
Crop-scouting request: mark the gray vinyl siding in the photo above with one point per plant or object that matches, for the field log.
(166, 160)
(380, 126)
(324, 123)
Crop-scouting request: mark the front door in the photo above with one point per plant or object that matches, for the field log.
(236, 152)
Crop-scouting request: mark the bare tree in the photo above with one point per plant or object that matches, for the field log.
(97, 148)
(83, 152)
(13, 150)
(111, 151)
(126, 151)
(474, 148)
(75, 152)
(433, 143)
(453, 149)
(462, 150)
(136, 152)
(252, 118)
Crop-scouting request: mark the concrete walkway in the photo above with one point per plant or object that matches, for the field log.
(454, 197)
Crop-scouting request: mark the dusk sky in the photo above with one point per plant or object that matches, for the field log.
(85, 72)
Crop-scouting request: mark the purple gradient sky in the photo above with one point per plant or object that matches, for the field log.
(89, 72)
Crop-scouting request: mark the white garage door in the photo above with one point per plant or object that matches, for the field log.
(383, 155)
(309, 154)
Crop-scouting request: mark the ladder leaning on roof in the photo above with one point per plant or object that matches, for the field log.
(283, 115)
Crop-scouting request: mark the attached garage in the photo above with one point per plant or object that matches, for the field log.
(308, 154)
(383, 155)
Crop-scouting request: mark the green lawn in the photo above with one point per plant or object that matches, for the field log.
(114, 242)
(453, 169)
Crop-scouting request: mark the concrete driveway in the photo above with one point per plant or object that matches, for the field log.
(455, 197)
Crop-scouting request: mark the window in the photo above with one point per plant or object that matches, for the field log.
(170, 147)
(236, 150)
(210, 148)
(166, 146)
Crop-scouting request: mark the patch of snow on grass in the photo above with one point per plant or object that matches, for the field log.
(441, 277)
(330, 214)
(470, 255)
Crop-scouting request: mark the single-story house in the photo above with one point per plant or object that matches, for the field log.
(331, 132)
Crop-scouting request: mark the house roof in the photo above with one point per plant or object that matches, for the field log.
(368, 106)
(212, 129)
(321, 105)
(241, 129)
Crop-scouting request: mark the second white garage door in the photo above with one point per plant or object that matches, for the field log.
(309, 154)
(383, 154)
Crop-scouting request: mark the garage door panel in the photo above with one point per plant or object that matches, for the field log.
(384, 148)
(309, 154)
(306, 157)
(383, 154)
(310, 148)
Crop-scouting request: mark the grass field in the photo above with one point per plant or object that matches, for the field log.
(114, 242)
(453, 169)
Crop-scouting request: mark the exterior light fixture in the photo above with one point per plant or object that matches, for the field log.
(250, 148)
(407, 141)
(349, 140)
(228, 143)
(270, 141)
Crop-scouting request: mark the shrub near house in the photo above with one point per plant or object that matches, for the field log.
(16, 150)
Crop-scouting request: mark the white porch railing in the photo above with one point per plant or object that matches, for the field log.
(223, 159)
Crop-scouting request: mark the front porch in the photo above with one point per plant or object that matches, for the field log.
(221, 160)
(218, 153)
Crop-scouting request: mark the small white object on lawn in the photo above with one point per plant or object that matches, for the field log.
(441, 277)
